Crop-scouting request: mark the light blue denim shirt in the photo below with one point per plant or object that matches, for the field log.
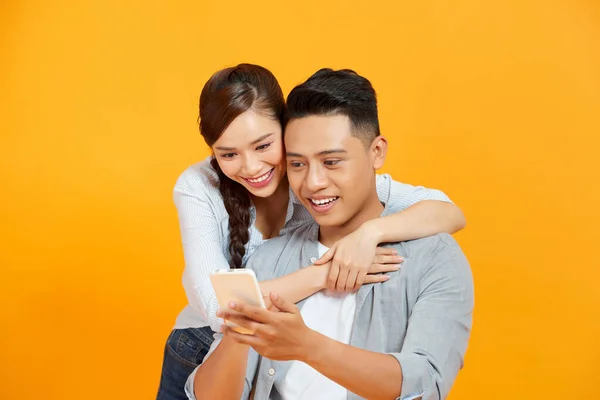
(421, 316)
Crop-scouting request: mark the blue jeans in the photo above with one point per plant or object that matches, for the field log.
(184, 351)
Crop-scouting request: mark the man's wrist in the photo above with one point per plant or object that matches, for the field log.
(312, 347)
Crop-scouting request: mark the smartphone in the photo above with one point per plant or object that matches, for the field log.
(237, 285)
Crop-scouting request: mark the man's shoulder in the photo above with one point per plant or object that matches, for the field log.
(430, 243)
(434, 263)
(423, 251)
(423, 245)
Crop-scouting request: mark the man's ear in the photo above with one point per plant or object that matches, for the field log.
(378, 151)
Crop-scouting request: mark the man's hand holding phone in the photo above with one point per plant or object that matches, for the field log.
(279, 334)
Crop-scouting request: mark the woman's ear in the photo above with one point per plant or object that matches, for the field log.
(379, 151)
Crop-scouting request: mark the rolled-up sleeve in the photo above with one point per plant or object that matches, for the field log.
(398, 196)
(439, 326)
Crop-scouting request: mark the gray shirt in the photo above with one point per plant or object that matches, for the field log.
(421, 316)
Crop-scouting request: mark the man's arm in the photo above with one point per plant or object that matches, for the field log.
(223, 372)
(222, 375)
(432, 352)
(284, 336)
(368, 374)
(434, 346)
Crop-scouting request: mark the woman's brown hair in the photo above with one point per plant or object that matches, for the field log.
(227, 94)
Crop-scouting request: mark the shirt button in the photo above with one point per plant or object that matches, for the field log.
(313, 259)
(271, 371)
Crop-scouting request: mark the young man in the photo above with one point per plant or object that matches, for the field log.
(401, 339)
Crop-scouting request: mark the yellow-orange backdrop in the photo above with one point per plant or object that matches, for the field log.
(496, 103)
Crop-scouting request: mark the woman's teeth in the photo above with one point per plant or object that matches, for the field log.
(260, 178)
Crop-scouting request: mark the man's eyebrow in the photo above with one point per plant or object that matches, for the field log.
(321, 153)
(260, 139)
(332, 151)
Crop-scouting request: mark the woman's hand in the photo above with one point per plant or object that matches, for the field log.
(356, 259)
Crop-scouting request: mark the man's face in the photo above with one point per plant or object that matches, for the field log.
(330, 171)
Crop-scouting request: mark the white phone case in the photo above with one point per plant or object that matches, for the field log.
(239, 286)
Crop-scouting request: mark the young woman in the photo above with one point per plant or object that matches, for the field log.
(237, 199)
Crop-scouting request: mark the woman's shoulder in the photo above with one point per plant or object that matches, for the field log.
(199, 178)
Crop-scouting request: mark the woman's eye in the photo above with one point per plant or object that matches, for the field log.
(228, 155)
(263, 146)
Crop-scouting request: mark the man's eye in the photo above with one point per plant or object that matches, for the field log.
(296, 164)
(263, 146)
(332, 162)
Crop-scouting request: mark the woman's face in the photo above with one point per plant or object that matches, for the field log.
(250, 152)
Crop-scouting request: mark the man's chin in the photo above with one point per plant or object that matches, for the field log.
(325, 220)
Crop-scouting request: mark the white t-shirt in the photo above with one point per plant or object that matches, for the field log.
(331, 316)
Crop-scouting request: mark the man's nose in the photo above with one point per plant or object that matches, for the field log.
(316, 179)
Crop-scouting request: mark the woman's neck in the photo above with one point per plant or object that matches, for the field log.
(271, 211)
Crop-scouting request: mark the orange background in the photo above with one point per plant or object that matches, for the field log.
(496, 103)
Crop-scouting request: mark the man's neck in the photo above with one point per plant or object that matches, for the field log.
(371, 209)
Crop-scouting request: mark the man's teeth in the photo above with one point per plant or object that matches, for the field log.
(321, 202)
(260, 179)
